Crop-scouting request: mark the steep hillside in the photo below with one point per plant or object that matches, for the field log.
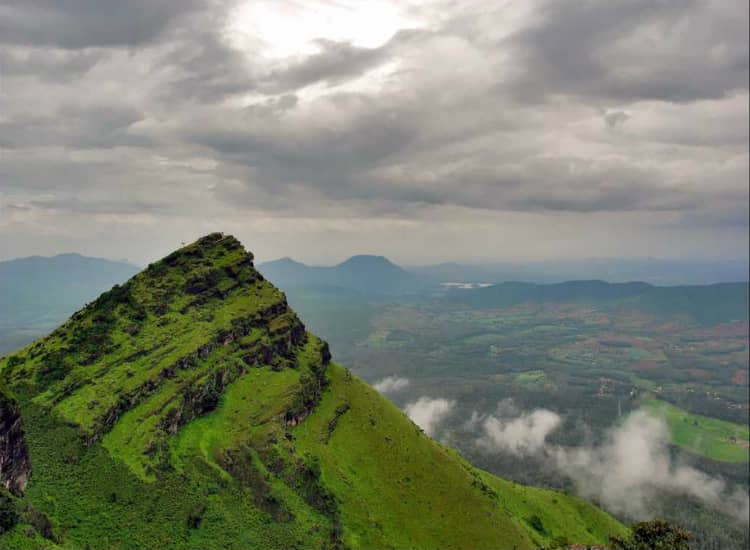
(189, 408)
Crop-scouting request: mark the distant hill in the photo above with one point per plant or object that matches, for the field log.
(654, 271)
(38, 293)
(363, 273)
(376, 274)
(190, 408)
(710, 304)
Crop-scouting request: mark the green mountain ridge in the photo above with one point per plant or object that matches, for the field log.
(38, 293)
(707, 304)
(189, 408)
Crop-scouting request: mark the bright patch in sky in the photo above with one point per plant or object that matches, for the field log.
(283, 29)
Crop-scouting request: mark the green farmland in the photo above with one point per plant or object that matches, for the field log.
(710, 437)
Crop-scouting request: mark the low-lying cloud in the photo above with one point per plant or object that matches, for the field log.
(428, 413)
(524, 434)
(391, 384)
(625, 472)
(633, 464)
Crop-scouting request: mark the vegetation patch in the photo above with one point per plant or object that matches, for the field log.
(710, 437)
(190, 408)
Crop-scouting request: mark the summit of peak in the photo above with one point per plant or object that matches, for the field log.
(212, 241)
(368, 260)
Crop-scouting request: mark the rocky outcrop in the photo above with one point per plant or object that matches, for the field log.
(197, 400)
(15, 464)
(311, 387)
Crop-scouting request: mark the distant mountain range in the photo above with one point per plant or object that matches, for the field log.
(708, 304)
(378, 274)
(614, 270)
(38, 293)
(364, 273)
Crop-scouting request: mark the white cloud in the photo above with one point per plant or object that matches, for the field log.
(428, 413)
(524, 434)
(293, 29)
(633, 465)
(391, 384)
(625, 472)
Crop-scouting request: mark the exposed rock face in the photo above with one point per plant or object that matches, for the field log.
(15, 465)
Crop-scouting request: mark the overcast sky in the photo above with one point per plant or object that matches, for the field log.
(422, 130)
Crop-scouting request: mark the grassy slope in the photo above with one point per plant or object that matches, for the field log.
(395, 486)
(702, 435)
(112, 470)
(398, 487)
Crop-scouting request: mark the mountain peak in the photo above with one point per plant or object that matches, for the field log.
(208, 245)
(369, 261)
(364, 273)
(190, 405)
(285, 262)
(141, 337)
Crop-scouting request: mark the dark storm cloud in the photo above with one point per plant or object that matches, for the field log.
(371, 133)
(560, 184)
(47, 64)
(99, 206)
(75, 127)
(558, 110)
(26, 175)
(636, 49)
(363, 161)
(206, 68)
(75, 24)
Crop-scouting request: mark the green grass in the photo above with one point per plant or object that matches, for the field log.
(709, 437)
(248, 408)
(637, 354)
(393, 486)
(398, 487)
(97, 501)
(189, 409)
(534, 379)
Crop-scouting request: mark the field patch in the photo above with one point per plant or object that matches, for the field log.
(710, 437)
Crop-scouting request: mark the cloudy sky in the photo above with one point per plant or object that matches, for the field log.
(423, 130)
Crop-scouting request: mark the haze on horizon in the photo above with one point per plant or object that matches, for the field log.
(424, 131)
